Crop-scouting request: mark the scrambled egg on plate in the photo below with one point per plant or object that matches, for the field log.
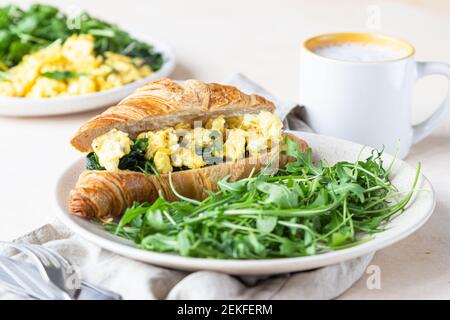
(71, 69)
(184, 146)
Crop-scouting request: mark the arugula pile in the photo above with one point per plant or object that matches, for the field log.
(25, 31)
(304, 209)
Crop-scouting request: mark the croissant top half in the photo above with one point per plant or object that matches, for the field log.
(165, 103)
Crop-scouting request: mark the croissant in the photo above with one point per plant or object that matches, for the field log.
(101, 193)
(165, 103)
(158, 105)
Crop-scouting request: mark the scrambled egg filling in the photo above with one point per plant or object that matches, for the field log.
(110, 147)
(186, 147)
(83, 71)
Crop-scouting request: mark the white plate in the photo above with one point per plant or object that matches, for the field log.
(332, 149)
(36, 107)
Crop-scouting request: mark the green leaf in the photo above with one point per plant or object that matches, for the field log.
(342, 188)
(266, 224)
(92, 162)
(131, 214)
(5, 40)
(62, 75)
(44, 11)
(184, 242)
(285, 215)
(322, 199)
(307, 238)
(35, 28)
(27, 24)
(256, 246)
(160, 242)
(154, 218)
(278, 194)
(237, 186)
(337, 239)
(136, 161)
(108, 33)
(311, 250)
(18, 49)
(290, 248)
(141, 144)
(304, 158)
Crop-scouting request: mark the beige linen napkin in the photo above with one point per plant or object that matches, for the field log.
(137, 280)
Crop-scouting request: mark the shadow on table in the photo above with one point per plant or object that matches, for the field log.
(433, 145)
(181, 72)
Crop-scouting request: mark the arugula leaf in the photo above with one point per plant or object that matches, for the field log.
(266, 224)
(154, 215)
(236, 186)
(342, 188)
(304, 159)
(131, 214)
(184, 242)
(310, 211)
(338, 239)
(160, 242)
(278, 194)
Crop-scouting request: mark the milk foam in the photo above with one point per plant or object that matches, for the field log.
(360, 52)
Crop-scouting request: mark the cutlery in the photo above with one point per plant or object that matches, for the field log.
(51, 268)
(88, 291)
(57, 270)
(29, 284)
(69, 267)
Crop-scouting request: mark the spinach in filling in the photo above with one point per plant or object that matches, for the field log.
(134, 161)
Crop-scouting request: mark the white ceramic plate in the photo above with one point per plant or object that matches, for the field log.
(36, 107)
(332, 149)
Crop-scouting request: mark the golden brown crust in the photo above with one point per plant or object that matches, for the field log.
(164, 103)
(101, 193)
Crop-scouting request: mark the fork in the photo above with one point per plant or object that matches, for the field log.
(50, 254)
(28, 284)
(50, 267)
(56, 269)
(88, 291)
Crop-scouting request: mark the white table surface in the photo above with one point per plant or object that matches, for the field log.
(214, 39)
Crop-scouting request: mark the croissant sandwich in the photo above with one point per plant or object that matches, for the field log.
(166, 136)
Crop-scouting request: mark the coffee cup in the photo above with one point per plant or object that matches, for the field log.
(359, 87)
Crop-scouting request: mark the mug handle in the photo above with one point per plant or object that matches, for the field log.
(424, 128)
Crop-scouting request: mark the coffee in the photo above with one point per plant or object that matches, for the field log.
(360, 52)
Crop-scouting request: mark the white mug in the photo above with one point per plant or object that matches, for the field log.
(366, 102)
